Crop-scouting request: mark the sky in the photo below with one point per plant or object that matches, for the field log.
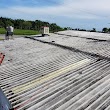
(86, 14)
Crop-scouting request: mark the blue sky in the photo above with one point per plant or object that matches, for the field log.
(86, 14)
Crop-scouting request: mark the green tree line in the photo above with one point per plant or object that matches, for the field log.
(104, 30)
(30, 25)
(37, 24)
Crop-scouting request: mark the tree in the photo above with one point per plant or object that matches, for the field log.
(55, 28)
(18, 23)
(1, 24)
(93, 30)
(109, 30)
(65, 28)
(22, 24)
(105, 30)
(26, 25)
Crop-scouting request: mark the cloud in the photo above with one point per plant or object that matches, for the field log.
(59, 10)
(81, 9)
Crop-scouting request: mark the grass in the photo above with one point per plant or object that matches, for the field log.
(20, 32)
(1, 39)
(2, 31)
(25, 32)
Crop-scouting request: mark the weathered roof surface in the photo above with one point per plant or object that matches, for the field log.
(46, 75)
(96, 47)
(89, 35)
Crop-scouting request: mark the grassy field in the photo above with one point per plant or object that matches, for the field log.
(20, 32)
(1, 39)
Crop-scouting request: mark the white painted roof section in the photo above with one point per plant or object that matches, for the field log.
(87, 45)
(94, 35)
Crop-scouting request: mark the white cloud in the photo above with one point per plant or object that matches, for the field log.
(87, 9)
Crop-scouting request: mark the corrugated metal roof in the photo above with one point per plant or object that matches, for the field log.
(91, 46)
(41, 76)
(84, 34)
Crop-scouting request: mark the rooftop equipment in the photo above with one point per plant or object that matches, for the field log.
(45, 31)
